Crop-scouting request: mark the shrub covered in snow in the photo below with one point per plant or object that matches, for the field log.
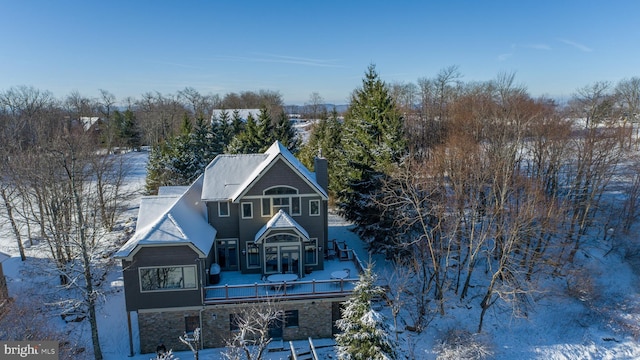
(462, 345)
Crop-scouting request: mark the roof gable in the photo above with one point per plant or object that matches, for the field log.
(174, 221)
(275, 152)
(281, 221)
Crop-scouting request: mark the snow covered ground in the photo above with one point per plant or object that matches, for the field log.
(601, 321)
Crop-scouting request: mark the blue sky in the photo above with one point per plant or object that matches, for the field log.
(299, 47)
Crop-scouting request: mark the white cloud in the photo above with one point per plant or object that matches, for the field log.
(504, 57)
(576, 45)
(537, 46)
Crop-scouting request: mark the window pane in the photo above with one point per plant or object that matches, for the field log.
(223, 209)
(295, 206)
(310, 253)
(281, 201)
(234, 322)
(247, 210)
(191, 323)
(253, 256)
(168, 278)
(291, 318)
(189, 277)
(271, 259)
(266, 207)
(281, 190)
(314, 207)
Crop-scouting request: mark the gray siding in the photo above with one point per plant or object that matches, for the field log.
(280, 174)
(159, 256)
(226, 227)
(234, 227)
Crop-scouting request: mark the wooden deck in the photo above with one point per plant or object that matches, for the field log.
(300, 289)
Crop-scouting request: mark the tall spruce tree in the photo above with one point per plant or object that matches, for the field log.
(325, 139)
(372, 143)
(285, 132)
(247, 141)
(365, 335)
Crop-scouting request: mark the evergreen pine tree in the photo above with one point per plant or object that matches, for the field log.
(222, 128)
(246, 142)
(181, 159)
(324, 137)
(237, 125)
(285, 133)
(127, 132)
(265, 130)
(372, 143)
(158, 173)
(259, 134)
(365, 335)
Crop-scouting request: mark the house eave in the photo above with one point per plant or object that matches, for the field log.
(139, 246)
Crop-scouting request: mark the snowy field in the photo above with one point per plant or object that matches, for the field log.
(602, 322)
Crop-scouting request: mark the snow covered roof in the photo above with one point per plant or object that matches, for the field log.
(224, 175)
(88, 121)
(281, 221)
(228, 177)
(152, 208)
(172, 190)
(4, 256)
(172, 220)
(243, 113)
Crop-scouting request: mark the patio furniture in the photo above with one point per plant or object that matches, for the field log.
(340, 274)
(278, 280)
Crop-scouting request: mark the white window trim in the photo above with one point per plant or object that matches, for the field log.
(262, 213)
(319, 211)
(242, 210)
(168, 289)
(311, 240)
(247, 258)
(299, 206)
(280, 186)
(220, 207)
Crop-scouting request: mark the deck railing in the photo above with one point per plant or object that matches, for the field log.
(220, 294)
(289, 290)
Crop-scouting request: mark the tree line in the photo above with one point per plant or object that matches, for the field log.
(472, 189)
(478, 190)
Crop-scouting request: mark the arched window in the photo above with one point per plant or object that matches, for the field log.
(281, 190)
(281, 198)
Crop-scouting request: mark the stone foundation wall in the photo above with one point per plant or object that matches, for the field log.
(315, 319)
(162, 327)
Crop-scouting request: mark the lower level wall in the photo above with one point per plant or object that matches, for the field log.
(315, 319)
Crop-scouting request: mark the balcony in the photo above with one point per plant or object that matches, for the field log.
(338, 279)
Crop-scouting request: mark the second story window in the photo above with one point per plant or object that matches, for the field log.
(314, 207)
(247, 210)
(223, 209)
(281, 198)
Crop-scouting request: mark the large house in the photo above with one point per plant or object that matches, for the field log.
(253, 228)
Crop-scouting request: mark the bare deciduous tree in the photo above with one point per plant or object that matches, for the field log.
(252, 336)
